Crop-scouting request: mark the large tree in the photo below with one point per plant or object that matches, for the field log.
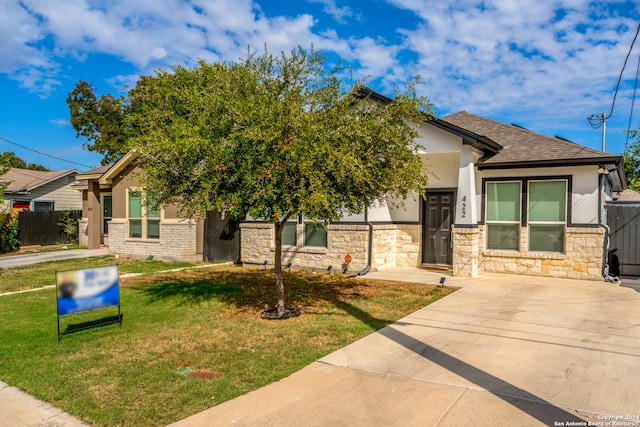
(100, 121)
(274, 137)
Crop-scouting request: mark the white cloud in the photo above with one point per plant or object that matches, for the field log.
(60, 122)
(331, 8)
(539, 60)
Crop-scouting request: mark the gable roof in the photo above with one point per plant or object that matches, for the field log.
(22, 181)
(524, 148)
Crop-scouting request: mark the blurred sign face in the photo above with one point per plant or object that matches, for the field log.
(89, 289)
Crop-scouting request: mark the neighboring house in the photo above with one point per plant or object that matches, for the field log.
(41, 191)
(501, 199)
(115, 215)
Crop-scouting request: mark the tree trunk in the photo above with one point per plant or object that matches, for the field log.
(278, 267)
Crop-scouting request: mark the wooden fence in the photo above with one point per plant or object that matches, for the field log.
(41, 228)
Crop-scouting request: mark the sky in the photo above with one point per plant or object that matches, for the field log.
(542, 64)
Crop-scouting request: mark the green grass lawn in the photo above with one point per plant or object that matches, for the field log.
(206, 320)
(43, 274)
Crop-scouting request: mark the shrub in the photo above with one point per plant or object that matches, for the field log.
(8, 232)
(69, 226)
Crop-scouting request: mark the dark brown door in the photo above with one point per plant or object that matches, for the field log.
(436, 228)
(221, 239)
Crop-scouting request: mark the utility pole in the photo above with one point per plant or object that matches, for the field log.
(600, 120)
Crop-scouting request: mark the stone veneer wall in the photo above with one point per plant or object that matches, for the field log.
(466, 250)
(582, 259)
(177, 242)
(83, 234)
(393, 245)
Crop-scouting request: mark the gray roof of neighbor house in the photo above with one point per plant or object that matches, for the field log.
(627, 195)
(22, 181)
(524, 148)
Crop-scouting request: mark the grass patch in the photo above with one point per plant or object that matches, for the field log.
(44, 274)
(204, 320)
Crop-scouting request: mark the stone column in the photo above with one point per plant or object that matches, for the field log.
(464, 233)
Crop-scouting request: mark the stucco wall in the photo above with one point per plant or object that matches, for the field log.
(584, 194)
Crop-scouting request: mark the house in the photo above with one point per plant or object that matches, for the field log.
(115, 215)
(41, 191)
(501, 199)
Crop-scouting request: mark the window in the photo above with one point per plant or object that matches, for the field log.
(107, 213)
(40, 206)
(21, 204)
(144, 220)
(547, 209)
(503, 215)
(290, 234)
(315, 234)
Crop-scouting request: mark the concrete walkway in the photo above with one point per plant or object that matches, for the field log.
(12, 261)
(18, 409)
(503, 350)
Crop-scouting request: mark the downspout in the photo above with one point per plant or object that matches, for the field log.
(607, 231)
(366, 269)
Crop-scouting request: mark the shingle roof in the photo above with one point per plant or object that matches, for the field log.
(24, 180)
(627, 195)
(522, 146)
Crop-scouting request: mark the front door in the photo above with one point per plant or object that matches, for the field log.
(436, 228)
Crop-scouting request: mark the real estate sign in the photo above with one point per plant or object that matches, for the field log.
(88, 289)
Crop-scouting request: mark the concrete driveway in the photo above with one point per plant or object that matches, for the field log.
(503, 350)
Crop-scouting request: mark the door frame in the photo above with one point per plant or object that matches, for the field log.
(453, 192)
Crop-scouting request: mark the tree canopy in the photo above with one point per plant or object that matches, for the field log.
(12, 161)
(632, 160)
(270, 136)
(100, 121)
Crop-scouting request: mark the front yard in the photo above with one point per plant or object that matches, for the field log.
(189, 340)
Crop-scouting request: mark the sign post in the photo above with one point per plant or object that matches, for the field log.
(79, 291)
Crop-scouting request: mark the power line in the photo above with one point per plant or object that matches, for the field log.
(598, 120)
(44, 154)
(621, 71)
(633, 102)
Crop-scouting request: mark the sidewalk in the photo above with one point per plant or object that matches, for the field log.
(19, 409)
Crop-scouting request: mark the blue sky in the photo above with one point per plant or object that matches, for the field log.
(545, 65)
